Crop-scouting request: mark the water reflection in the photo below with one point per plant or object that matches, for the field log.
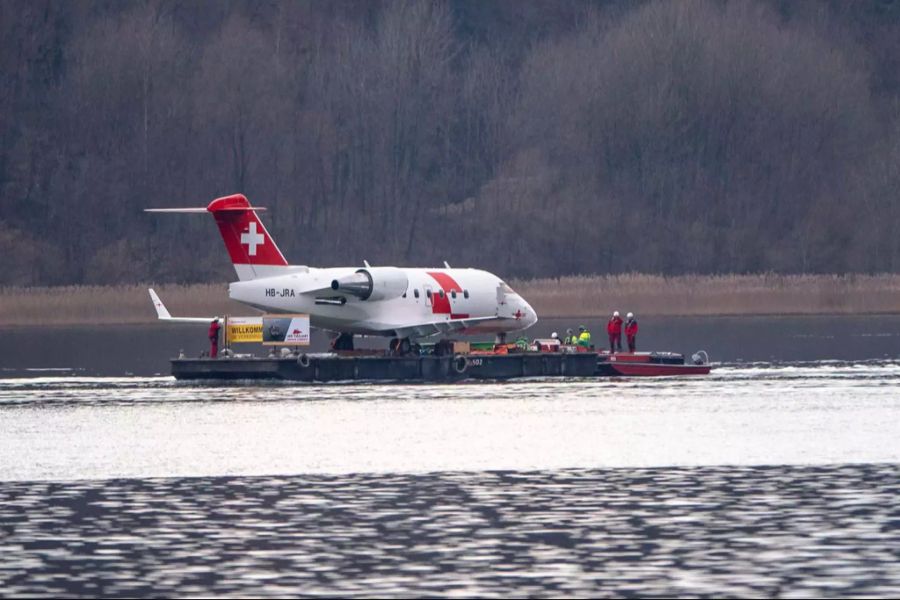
(151, 487)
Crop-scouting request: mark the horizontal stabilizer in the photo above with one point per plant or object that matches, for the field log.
(237, 208)
(203, 210)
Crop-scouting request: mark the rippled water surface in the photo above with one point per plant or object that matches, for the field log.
(701, 531)
(774, 480)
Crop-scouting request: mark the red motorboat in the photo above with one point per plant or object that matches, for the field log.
(651, 364)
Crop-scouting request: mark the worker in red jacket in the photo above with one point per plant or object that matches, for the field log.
(631, 329)
(214, 328)
(614, 329)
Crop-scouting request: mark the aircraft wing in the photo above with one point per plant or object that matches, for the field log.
(435, 327)
(162, 312)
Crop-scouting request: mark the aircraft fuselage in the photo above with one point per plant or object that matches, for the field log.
(431, 295)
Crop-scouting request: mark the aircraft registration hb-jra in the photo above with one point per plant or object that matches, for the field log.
(384, 301)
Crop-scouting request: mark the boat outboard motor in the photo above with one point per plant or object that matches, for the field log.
(700, 357)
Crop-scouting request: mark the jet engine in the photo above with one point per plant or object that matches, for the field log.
(376, 283)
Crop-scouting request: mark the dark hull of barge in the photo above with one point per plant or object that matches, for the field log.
(389, 368)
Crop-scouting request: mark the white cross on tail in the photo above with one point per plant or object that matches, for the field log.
(252, 238)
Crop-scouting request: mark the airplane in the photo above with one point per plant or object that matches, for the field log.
(401, 303)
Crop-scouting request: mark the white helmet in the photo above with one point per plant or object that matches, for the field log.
(630, 315)
(554, 336)
(615, 313)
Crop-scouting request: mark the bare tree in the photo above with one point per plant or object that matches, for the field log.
(533, 138)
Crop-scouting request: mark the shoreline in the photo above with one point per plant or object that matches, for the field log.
(154, 322)
(566, 297)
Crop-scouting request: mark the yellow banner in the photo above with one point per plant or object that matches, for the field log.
(245, 329)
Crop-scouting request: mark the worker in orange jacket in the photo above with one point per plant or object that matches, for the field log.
(614, 329)
(631, 329)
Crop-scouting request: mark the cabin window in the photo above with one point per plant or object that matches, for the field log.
(453, 294)
(466, 294)
(416, 293)
(441, 293)
(428, 293)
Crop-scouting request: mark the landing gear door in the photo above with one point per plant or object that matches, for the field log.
(501, 301)
(501, 295)
(504, 308)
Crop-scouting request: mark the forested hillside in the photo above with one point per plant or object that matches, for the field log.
(529, 138)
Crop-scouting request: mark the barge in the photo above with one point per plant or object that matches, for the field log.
(341, 367)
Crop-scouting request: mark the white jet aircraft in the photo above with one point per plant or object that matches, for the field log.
(394, 302)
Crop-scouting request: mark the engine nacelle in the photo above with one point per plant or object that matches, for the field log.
(376, 283)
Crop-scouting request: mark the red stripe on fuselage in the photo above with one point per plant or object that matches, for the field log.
(439, 305)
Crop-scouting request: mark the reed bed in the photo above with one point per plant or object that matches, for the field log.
(713, 295)
(119, 304)
(563, 297)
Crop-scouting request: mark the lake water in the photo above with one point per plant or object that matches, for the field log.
(825, 531)
(145, 350)
(778, 475)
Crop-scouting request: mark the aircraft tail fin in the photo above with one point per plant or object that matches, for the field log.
(250, 246)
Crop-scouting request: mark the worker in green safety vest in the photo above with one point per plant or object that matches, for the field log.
(584, 337)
